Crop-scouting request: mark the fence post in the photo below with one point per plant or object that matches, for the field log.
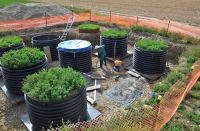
(137, 21)
(90, 15)
(168, 26)
(110, 16)
(45, 15)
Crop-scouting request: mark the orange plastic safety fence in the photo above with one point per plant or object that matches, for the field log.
(112, 18)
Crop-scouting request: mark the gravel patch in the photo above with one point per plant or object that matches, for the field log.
(31, 10)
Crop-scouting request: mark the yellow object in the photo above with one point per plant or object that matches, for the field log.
(159, 97)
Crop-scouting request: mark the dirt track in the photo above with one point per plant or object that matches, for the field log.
(186, 11)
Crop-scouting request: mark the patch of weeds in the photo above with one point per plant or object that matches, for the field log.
(181, 108)
(78, 10)
(197, 85)
(174, 76)
(194, 94)
(162, 87)
(173, 126)
(191, 40)
(193, 116)
(192, 54)
(144, 29)
(174, 36)
(152, 101)
(151, 45)
(163, 32)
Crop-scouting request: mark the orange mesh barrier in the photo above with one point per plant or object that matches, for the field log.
(145, 119)
(109, 17)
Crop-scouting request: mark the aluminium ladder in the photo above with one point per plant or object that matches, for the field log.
(68, 27)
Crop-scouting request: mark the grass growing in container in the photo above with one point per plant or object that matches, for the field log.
(10, 41)
(151, 45)
(114, 34)
(22, 58)
(53, 84)
(88, 27)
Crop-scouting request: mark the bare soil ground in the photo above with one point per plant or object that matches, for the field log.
(186, 11)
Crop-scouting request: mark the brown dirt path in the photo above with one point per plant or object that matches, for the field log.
(186, 11)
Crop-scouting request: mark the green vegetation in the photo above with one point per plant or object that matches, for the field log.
(144, 29)
(151, 45)
(114, 34)
(10, 41)
(22, 58)
(88, 27)
(194, 117)
(192, 54)
(4, 3)
(152, 101)
(53, 84)
(78, 10)
(173, 36)
(187, 116)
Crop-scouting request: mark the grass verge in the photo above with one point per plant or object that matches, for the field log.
(173, 36)
(4, 3)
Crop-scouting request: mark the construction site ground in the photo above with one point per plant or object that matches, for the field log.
(10, 114)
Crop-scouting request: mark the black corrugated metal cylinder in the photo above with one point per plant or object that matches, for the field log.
(149, 62)
(13, 78)
(115, 47)
(46, 114)
(47, 40)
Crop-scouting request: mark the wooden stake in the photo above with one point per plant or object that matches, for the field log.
(168, 25)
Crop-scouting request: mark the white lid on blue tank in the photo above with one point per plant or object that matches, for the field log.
(74, 46)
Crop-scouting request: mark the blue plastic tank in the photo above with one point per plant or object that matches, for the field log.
(76, 54)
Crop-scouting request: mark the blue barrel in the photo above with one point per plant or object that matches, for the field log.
(76, 54)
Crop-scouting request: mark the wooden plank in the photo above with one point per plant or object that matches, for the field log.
(97, 78)
(91, 88)
(90, 100)
(48, 53)
(133, 74)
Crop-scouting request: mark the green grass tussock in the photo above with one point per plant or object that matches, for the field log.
(77, 10)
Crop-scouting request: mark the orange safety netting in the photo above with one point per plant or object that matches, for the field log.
(148, 118)
(112, 18)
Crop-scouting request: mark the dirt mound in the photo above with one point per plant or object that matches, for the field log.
(33, 10)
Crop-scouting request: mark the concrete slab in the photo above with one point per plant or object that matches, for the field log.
(92, 114)
(14, 99)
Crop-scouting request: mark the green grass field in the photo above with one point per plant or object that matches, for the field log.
(4, 3)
